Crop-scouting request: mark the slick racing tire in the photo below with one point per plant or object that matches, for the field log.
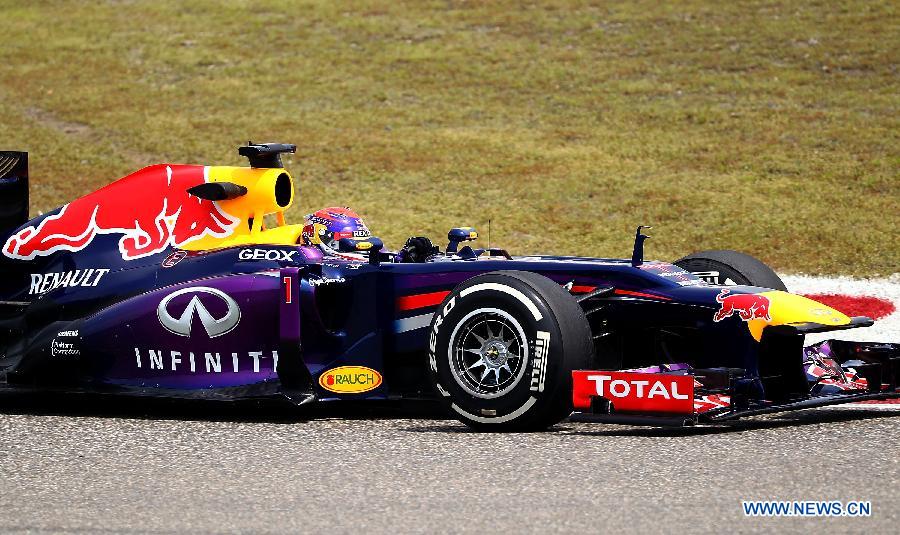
(730, 268)
(502, 347)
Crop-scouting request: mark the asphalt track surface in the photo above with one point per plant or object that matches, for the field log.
(73, 464)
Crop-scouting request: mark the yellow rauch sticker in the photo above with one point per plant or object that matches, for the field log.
(350, 379)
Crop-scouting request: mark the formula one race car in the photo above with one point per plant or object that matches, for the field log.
(187, 281)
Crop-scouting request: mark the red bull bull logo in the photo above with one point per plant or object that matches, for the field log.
(746, 306)
(151, 209)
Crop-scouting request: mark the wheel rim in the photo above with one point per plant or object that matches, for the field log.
(488, 353)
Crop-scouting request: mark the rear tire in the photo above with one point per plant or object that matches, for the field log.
(730, 268)
(502, 348)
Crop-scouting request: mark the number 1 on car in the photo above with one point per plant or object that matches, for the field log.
(287, 291)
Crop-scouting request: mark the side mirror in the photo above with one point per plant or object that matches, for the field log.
(459, 235)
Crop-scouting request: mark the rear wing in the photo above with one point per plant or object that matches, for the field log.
(13, 191)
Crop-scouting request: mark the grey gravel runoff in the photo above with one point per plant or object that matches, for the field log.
(108, 465)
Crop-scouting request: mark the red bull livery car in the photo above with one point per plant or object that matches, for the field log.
(188, 281)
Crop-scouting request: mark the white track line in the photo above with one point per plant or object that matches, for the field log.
(895, 407)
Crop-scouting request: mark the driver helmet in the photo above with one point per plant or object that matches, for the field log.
(326, 227)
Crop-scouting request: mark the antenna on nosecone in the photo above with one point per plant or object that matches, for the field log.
(489, 233)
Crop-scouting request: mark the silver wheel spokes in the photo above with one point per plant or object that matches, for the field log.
(489, 353)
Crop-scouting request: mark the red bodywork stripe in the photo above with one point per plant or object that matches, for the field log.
(412, 302)
(641, 294)
(583, 289)
(589, 289)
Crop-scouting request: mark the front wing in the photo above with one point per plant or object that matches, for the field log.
(836, 372)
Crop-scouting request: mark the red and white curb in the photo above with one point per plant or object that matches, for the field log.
(878, 299)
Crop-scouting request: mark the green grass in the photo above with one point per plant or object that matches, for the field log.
(767, 127)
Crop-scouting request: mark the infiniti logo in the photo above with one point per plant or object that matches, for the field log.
(214, 326)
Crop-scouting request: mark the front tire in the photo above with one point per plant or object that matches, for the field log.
(729, 268)
(502, 348)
